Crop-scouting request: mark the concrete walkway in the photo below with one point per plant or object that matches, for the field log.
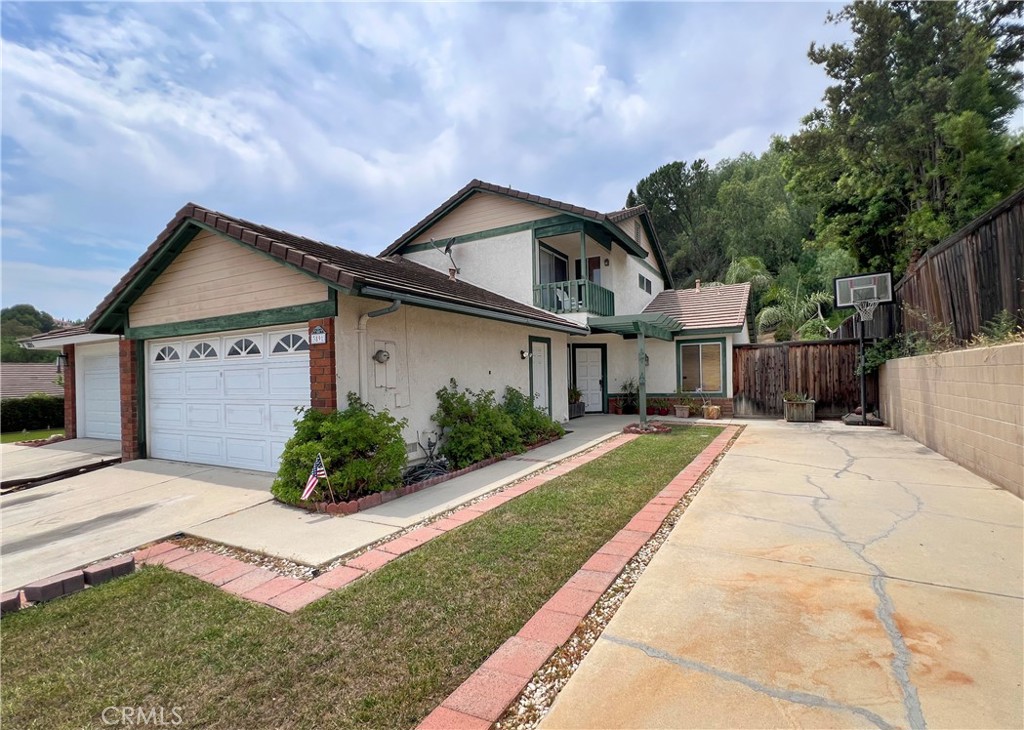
(274, 529)
(825, 576)
(23, 462)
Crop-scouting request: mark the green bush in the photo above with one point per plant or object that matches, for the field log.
(31, 413)
(533, 425)
(363, 452)
(474, 426)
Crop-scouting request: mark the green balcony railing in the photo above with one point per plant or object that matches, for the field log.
(579, 295)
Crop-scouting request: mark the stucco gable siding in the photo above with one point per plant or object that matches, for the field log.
(214, 276)
(483, 212)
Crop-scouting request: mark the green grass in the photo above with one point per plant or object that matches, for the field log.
(14, 436)
(381, 653)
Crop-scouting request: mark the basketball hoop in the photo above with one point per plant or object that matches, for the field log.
(866, 309)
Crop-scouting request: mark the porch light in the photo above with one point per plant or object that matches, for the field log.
(606, 262)
(523, 354)
(62, 362)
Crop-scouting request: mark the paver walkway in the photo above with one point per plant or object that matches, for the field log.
(825, 576)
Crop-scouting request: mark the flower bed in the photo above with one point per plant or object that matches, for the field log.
(652, 427)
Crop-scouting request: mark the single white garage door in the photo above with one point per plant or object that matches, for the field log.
(227, 399)
(98, 391)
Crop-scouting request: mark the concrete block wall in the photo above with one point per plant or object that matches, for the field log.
(968, 405)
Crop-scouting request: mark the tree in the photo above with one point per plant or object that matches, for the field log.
(23, 320)
(794, 314)
(911, 142)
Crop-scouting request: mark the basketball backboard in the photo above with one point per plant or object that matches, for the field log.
(852, 289)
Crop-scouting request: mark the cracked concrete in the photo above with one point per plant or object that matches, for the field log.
(824, 577)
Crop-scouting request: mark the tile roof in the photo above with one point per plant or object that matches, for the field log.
(710, 308)
(18, 379)
(617, 216)
(78, 329)
(345, 268)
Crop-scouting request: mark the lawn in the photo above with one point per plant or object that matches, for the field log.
(10, 438)
(381, 653)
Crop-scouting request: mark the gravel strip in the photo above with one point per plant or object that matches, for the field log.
(533, 703)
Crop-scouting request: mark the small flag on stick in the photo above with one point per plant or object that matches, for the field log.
(318, 473)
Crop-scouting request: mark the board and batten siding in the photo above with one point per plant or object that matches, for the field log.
(214, 276)
(482, 212)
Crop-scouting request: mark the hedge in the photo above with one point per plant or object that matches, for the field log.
(34, 412)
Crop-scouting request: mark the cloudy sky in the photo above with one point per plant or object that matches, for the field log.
(349, 122)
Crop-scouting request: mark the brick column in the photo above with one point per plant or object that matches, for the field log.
(128, 366)
(70, 404)
(323, 369)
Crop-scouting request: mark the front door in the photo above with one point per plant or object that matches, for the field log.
(590, 378)
(540, 373)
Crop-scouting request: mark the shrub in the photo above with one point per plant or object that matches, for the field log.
(533, 425)
(475, 427)
(31, 413)
(363, 452)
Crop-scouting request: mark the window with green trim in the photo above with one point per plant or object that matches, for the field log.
(702, 367)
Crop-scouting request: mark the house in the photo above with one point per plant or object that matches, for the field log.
(224, 327)
(19, 379)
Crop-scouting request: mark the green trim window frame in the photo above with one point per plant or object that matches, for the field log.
(546, 341)
(701, 364)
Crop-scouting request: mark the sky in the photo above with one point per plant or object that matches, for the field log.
(350, 122)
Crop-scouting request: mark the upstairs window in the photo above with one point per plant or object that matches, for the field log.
(645, 283)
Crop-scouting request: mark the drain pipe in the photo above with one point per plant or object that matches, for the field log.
(364, 375)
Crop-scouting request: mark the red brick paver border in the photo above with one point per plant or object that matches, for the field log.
(488, 692)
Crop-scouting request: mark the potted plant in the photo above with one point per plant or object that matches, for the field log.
(630, 396)
(708, 409)
(682, 407)
(577, 408)
(664, 407)
(798, 408)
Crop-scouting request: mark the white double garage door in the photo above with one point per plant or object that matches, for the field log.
(227, 398)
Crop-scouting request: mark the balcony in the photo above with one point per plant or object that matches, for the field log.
(578, 295)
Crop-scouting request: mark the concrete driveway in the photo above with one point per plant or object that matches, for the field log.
(60, 526)
(23, 462)
(825, 576)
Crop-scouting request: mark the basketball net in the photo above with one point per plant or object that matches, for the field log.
(866, 309)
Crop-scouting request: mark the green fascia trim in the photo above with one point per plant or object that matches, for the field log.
(666, 273)
(679, 365)
(265, 318)
(140, 393)
(708, 331)
(547, 341)
(650, 268)
(604, 368)
(422, 301)
(488, 233)
(626, 241)
(660, 326)
(572, 226)
(599, 234)
(271, 257)
(115, 318)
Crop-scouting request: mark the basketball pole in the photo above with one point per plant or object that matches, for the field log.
(863, 379)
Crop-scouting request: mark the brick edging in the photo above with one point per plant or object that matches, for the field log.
(290, 594)
(484, 697)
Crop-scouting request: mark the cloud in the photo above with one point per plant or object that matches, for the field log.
(63, 292)
(349, 122)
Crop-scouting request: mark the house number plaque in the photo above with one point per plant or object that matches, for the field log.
(318, 336)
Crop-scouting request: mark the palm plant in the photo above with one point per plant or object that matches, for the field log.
(749, 268)
(793, 313)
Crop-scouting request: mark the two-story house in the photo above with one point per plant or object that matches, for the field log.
(223, 327)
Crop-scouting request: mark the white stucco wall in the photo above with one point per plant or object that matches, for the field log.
(661, 372)
(501, 264)
(429, 347)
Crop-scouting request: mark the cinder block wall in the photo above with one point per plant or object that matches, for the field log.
(968, 405)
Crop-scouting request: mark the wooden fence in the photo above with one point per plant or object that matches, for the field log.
(824, 370)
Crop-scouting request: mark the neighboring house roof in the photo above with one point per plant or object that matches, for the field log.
(709, 308)
(609, 220)
(340, 268)
(56, 339)
(18, 379)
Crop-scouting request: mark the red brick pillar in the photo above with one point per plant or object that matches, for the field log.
(70, 405)
(128, 357)
(323, 368)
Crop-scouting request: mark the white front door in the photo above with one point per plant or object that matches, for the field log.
(227, 398)
(590, 378)
(98, 391)
(540, 369)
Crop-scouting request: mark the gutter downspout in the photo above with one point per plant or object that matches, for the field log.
(364, 375)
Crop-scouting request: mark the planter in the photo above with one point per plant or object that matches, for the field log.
(682, 411)
(577, 410)
(652, 411)
(712, 412)
(799, 411)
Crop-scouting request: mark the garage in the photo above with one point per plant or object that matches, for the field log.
(97, 390)
(228, 398)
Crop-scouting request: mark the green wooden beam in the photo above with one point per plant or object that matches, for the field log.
(641, 349)
(488, 233)
(263, 318)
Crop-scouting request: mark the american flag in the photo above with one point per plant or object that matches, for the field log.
(315, 476)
